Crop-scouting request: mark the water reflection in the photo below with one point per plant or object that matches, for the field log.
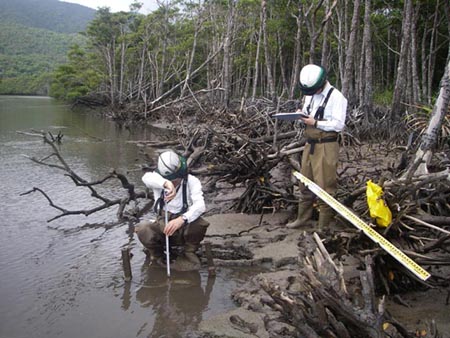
(178, 302)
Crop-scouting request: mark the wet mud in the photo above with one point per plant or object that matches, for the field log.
(268, 243)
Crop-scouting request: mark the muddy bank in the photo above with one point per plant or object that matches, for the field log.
(233, 180)
(264, 241)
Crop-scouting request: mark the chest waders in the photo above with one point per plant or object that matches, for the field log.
(319, 163)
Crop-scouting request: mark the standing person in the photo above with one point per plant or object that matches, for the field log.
(182, 195)
(326, 109)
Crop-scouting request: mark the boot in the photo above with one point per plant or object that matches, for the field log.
(154, 257)
(189, 260)
(326, 218)
(304, 213)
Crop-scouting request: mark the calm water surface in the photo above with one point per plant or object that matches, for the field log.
(64, 278)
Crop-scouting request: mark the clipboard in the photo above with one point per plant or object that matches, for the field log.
(289, 116)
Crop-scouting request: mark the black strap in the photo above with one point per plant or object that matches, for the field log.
(322, 140)
(159, 204)
(313, 142)
(185, 203)
(320, 111)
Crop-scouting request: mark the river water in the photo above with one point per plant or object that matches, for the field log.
(64, 278)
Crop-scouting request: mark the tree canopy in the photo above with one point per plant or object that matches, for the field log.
(386, 52)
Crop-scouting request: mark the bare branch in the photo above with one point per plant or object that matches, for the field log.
(61, 164)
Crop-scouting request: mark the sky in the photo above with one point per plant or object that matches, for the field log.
(117, 5)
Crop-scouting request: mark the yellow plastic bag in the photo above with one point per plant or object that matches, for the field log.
(377, 206)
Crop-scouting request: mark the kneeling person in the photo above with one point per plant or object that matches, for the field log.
(181, 195)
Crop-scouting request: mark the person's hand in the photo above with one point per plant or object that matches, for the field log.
(173, 226)
(308, 120)
(169, 191)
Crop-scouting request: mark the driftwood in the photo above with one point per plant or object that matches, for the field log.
(324, 308)
(122, 203)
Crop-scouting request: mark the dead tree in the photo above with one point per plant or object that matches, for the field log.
(55, 160)
(429, 139)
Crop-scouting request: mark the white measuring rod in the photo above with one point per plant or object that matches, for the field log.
(367, 229)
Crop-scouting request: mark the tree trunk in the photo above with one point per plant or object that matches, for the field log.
(297, 52)
(191, 59)
(429, 138)
(400, 82)
(388, 60)
(367, 85)
(311, 25)
(122, 65)
(109, 57)
(227, 56)
(325, 45)
(161, 69)
(258, 48)
(249, 71)
(348, 81)
(414, 70)
(140, 92)
(282, 64)
(341, 14)
(215, 43)
(268, 58)
(431, 53)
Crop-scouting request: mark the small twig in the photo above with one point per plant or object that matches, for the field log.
(431, 226)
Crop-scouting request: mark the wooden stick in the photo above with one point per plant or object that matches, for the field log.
(427, 224)
(209, 258)
(126, 264)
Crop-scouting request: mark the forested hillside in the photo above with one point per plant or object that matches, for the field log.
(53, 15)
(388, 52)
(35, 37)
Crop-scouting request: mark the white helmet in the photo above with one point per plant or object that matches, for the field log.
(171, 165)
(312, 78)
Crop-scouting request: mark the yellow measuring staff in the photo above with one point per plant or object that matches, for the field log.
(361, 225)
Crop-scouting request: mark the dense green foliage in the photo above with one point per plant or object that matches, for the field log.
(28, 55)
(76, 78)
(35, 37)
(53, 15)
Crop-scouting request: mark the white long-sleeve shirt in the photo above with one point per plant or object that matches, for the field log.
(194, 194)
(335, 110)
